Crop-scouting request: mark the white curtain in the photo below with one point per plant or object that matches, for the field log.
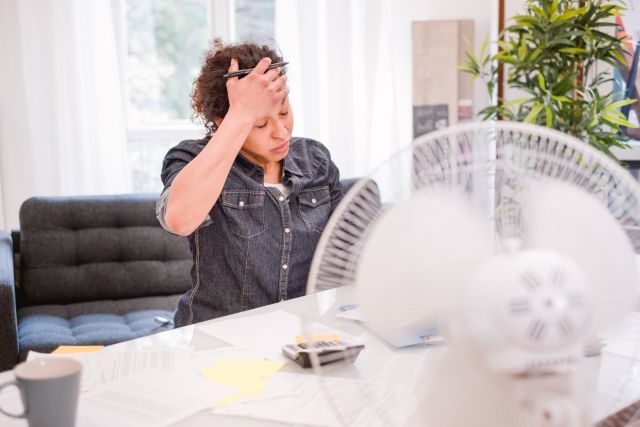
(2, 221)
(349, 84)
(62, 128)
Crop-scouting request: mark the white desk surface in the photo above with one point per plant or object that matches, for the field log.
(377, 361)
(631, 154)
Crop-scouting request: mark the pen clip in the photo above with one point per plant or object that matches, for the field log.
(246, 71)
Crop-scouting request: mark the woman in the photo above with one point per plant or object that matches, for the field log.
(251, 199)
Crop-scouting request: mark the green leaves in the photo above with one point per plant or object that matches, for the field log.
(614, 117)
(552, 52)
(575, 50)
(619, 57)
(541, 84)
(570, 14)
(549, 116)
(619, 104)
(615, 120)
(533, 113)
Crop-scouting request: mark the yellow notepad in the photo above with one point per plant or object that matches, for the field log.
(249, 376)
(69, 349)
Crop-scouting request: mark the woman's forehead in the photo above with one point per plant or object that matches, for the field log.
(285, 106)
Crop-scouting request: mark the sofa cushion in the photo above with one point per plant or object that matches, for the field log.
(98, 247)
(43, 328)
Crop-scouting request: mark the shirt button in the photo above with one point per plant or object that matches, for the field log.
(281, 198)
(287, 230)
(313, 200)
(284, 266)
(241, 203)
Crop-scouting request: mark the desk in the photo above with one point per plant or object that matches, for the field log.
(377, 362)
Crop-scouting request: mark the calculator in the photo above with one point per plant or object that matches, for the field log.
(327, 351)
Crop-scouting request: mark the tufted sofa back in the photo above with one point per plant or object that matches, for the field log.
(75, 249)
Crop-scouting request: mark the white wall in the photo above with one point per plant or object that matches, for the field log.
(401, 16)
(482, 12)
(403, 13)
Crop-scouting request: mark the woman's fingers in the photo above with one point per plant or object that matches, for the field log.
(233, 66)
(278, 84)
(259, 92)
(272, 74)
(262, 66)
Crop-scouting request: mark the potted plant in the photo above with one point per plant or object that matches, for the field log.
(558, 57)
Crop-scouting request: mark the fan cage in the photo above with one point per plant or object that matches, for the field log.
(492, 162)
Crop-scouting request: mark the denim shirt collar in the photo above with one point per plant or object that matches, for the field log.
(289, 165)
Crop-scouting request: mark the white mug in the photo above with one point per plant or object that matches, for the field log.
(49, 389)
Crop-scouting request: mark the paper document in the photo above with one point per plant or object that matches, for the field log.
(152, 398)
(357, 403)
(618, 384)
(105, 367)
(276, 329)
(623, 337)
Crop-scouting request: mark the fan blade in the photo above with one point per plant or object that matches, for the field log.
(564, 219)
(419, 255)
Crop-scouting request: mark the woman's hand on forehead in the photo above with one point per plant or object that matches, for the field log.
(259, 93)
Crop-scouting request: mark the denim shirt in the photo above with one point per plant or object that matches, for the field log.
(255, 247)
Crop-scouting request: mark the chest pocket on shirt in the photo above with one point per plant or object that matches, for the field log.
(244, 210)
(315, 207)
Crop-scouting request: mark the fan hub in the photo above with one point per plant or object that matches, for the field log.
(529, 309)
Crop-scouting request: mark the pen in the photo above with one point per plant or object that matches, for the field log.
(246, 71)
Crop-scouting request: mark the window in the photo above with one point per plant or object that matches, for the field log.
(255, 20)
(163, 43)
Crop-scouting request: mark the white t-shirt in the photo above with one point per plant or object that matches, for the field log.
(284, 189)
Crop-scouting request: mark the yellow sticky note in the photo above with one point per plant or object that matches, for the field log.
(319, 337)
(68, 349)
(250, 376)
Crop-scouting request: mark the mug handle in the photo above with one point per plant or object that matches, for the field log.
(7, 384)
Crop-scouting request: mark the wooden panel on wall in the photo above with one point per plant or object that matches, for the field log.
(442, 95)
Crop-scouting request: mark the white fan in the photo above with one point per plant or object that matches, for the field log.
(516, 241)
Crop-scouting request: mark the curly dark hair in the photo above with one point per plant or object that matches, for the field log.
(209, 98)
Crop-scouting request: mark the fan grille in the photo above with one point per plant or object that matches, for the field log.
(492, 162)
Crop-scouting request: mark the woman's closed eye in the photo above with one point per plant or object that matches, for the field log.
(262, 125)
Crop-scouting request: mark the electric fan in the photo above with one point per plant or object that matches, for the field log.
(516, 242)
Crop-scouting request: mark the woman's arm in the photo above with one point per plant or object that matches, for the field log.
(197, 187)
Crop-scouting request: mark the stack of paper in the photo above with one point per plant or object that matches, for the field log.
(151, 398)
(342, 402)
(105, 367)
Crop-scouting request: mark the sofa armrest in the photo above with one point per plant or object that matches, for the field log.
(8, 311)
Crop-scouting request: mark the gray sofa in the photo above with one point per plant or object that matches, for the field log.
(87, 270)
